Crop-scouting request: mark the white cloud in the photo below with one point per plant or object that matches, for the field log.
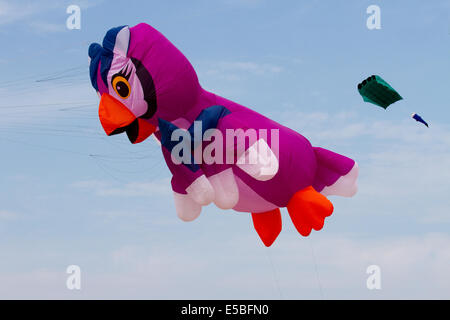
(403, 165)
(15, 11)
(408, 261)
(26, 11)
(344, 125)
(412, 267)
(47, 27)
(437, 215)
(38, 103)
(160, 187)
(226, 77)
(8, 215)
(251, 3)
(233, 71)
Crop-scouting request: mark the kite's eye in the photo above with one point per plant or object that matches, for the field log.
(121, 86)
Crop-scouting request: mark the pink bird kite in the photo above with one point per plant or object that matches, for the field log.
(218, 151)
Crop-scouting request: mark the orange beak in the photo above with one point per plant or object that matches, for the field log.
(116, 118)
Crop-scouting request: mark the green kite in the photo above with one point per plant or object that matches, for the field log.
(377, 91)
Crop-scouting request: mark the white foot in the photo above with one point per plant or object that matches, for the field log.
(187, 209)
(225, 189)
(201, 191)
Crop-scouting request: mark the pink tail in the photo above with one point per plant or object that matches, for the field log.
(336, 174)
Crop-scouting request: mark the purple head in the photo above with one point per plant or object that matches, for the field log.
(140, 77)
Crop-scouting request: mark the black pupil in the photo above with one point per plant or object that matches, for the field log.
(122, 89)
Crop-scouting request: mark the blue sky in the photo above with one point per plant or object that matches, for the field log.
(71, 195)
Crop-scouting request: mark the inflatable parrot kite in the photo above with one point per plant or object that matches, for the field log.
(147, 86)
